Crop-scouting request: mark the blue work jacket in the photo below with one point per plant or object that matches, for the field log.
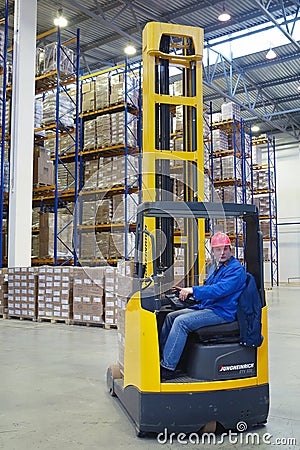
(222, 289)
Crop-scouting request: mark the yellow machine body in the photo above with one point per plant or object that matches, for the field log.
(142, 361)
(185, 405)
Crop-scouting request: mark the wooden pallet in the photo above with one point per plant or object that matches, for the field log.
(12, 316)
(87, 324)
(110, 326)
(53, 320)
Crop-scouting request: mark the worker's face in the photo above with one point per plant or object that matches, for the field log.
(222, 254)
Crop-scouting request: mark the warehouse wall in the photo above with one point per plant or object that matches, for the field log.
(288, 188)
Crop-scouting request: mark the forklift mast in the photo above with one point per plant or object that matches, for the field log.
(171, 49)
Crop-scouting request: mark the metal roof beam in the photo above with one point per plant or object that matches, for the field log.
(272, 18)
(244, 85)
(104, 22)
(250, 33)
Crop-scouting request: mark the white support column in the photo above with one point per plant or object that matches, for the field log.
(22, 123)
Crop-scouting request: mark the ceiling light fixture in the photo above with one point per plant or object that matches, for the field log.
(255, 128)
(130, 50)
(60, 20)
(224, 16)
(271, 54)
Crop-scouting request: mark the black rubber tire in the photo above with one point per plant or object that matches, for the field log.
(209, 427)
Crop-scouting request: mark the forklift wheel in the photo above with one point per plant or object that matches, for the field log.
(113, 373)
(209, 427)
(140, 434)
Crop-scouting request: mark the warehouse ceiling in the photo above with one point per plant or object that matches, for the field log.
(267, 90)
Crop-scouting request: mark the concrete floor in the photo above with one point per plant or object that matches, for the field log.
(53, 391)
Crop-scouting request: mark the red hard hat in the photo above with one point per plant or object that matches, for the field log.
(220, 240)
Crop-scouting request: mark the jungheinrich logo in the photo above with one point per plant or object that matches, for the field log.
(236, 367)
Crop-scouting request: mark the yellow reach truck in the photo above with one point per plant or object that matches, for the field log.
(221, 381)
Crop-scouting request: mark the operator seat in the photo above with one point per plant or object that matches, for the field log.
(217, 334)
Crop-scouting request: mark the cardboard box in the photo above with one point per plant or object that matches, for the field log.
(22, 292)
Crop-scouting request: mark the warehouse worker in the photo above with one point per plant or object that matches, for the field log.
(216, 303)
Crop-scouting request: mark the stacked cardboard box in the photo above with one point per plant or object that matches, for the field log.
(216, 117)
(66, 144)
(235, 142)
(179, 118)
(263, 204)
(231, 167)
(55, 294)
(39, 61)
(102, 91)
(118, 208)
(206, 126)
(22, 292)
(219, 140)
(248, 145)
(110, 314)
(105, 173)
(208, 188)
(177, 143)
(217, 168)
(88, 288)
(43, 171)
(46, 241)
(66, 59)
(111, 171)
(256, 155)
(90, 141)
(227, 194)
(119, 122)
(102, 244)
(88, 246)
(103, 130)
(88, 96)
(177, 88)
(91, 169)
(117, 89)
(66, 110)
(125, 287)
(179, 272)
(264, 179)
(3, 291)
(38, 112)
(230, 110)
(266, 252)
(265, 228)
(117, 244)
(35, 245)
(229, 226)
(103, 211)
(241, 253)
(88, 213)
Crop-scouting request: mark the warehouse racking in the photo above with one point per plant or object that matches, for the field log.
(264, 195)
(58, 86)
(231, 168)
(110, 175)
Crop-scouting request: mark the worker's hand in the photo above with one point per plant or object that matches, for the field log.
(184, 292)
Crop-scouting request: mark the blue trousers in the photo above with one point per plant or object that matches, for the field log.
(175, 330)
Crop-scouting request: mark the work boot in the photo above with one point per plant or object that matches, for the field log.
(166, 374)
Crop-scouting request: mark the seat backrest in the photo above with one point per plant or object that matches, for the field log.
(249, 314)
